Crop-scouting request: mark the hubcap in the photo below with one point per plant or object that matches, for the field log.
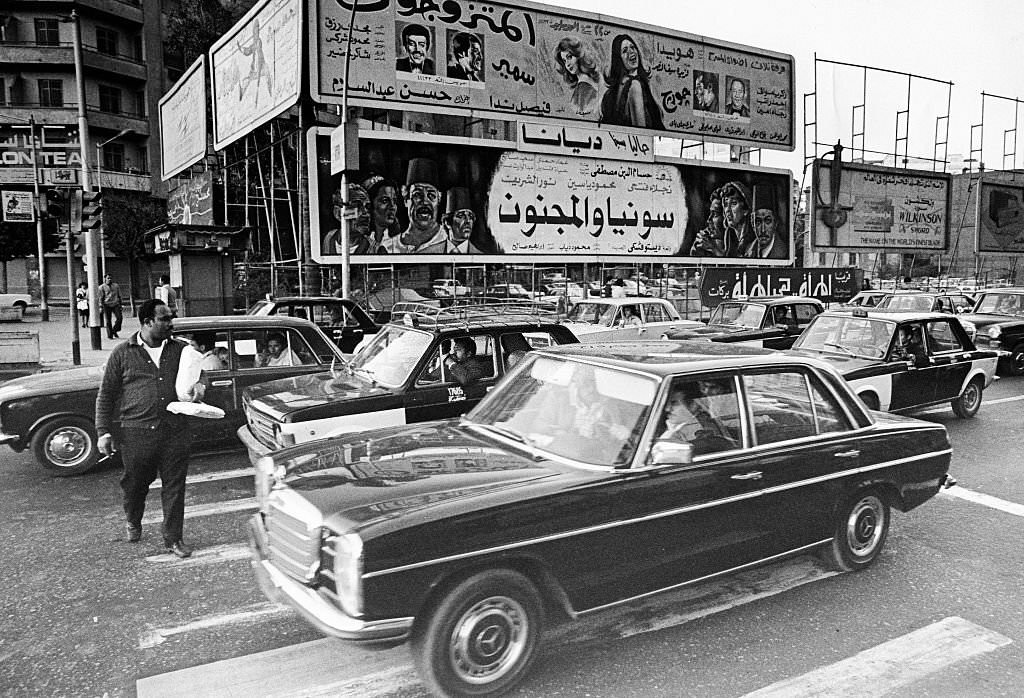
(865, 526)
(971, 396)
(489, 640)
(68, 447)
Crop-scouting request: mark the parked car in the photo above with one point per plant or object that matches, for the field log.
(341, 319)
(14, 305)
(771, 322)
(998, 317)
(400, 376)
(54, 413)
(449, 288)
(866, 299)
(606, 319)
(925, 302)
(865, 346)
(469, 537)
(508, 291)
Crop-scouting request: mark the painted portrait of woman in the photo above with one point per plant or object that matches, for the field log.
(579, 70)
(628, 101)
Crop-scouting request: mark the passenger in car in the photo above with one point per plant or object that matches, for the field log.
(278, 353)
(909, 346)
(463, 363)
(688, 416)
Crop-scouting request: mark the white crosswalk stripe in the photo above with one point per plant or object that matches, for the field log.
(210, 477)
(207, 509)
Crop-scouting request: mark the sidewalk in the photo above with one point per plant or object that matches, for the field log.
(55, 336)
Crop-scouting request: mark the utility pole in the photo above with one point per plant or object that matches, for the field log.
(83, 139)
(44, 309)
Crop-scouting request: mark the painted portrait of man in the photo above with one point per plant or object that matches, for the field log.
(416, 43)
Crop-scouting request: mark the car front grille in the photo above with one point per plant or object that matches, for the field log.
(261, 425)
(293, 535)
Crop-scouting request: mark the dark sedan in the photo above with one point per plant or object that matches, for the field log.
(341, 319)
(771, 322)
(998, 317)
(590, 476)
(53, 413)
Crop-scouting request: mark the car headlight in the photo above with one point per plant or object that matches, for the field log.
(347, 549)
(994, 331)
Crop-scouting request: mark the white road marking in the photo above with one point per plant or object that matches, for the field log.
(380, 683)
(204, 556)
(984, 499)
(892, 665)
(208, 509)
(157, 636)
(210, 477)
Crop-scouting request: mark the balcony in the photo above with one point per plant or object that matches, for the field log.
(126, 10)
(68, 114)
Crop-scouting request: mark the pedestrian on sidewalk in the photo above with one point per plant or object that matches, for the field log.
(110, 299)
(165, 292)
(82, 303)
(153, 441)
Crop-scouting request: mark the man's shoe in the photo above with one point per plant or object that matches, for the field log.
(179, 549)
(134, 532)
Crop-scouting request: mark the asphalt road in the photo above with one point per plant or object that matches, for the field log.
(84, 613)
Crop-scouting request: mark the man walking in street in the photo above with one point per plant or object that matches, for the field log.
(110, 300)
(143, 375)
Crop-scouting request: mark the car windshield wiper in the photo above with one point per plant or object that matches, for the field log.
(840, 347)
(506, 432)
(367, 373)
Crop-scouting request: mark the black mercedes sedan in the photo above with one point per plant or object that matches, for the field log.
(593, 474)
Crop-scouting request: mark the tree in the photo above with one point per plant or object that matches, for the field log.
(126, 218)
(194, 25)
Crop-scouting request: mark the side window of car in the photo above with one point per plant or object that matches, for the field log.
(805, 312)
(480, 366)
(514, 347)
(781, 406)
(941, 337)
(655, 312)
(703, 412)
(245, 346)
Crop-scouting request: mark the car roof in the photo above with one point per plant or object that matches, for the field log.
(1004, 289)
(669, 357)
(186, 324)
(628, 300)
(886, 314)
(474, 316)
(775, 300)
(298, 300)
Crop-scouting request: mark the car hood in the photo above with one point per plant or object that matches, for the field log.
(51, 382)
(713, 331)
(843, 363)
(581, 328)
(396, 471)
(278, 397)
(982, 320)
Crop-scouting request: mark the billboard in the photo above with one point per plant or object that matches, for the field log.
(191, 202)
(255, 69)
(523, 60)
(1000, 223)
(183, 121)
(743, 283)
(19, 206)
(447, 199)
(880, 207)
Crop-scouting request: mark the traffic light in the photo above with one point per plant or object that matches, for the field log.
(52, 204)
(92, 209)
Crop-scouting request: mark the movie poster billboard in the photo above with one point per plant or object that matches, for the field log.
(524, 60)
(1000, 223)
(191, 202)
(460, 200)
(255, 69)
(880, 208)
(183, 121)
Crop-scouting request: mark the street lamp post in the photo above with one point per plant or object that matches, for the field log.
(99, 187)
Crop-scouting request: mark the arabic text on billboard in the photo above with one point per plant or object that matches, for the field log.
(522, 60)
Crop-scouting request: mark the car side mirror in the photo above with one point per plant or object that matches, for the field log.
(668, 452)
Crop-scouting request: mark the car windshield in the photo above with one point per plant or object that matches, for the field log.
(907, 302)
(739, 314)
(390, 357)
(260, 308)
(1001, 304)
(848, 335)
(571, 409)
(592, 314)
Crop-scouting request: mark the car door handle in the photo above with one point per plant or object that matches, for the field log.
(848, 454)
(752, 475)
(220, 384)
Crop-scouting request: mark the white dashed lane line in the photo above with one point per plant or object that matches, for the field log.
(984, 499)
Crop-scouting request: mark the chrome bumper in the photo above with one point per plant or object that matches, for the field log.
(320, 613)
(9, 438)
(253, 445)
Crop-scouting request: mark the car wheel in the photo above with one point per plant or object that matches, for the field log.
(871, 400)
(969, 401)
(1015, 363)
(66, 446)
(481, 637)
(860, 532)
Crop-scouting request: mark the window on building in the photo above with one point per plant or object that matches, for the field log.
(6, 31)
(137, 48)
(51, 93)
(113, 157)
(140, 103)
(47, 32)
(106, 41)
(852, 259)
(3, 91)
(110, 99)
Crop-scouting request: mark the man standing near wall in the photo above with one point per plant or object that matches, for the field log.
(110, 300)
